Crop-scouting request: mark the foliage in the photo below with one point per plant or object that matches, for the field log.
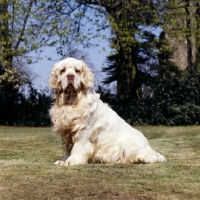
(27, 27)
(24, 28)
(139, 59)
(143, 58)
(30, 108)
(132, 42)
(171, 101)
(32, 25)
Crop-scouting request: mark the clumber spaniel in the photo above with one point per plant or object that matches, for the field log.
(90, 130)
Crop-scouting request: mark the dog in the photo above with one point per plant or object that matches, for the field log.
(91, 131)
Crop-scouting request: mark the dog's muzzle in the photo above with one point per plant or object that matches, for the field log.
(70, 80)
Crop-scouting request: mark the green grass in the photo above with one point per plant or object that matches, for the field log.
(27, 171)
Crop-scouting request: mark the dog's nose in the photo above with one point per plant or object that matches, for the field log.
(70, 76)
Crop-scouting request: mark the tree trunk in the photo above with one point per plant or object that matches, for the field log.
(5, 42)
(198, 36)
(128, 86)
(188, 34)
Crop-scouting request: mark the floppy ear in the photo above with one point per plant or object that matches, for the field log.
(54, 77)
(87, 77)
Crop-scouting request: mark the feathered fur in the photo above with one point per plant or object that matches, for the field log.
(91, 131)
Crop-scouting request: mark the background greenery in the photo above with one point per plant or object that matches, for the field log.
(29, 108)
(154, 58)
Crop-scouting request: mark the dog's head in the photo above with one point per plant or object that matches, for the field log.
(71, 75)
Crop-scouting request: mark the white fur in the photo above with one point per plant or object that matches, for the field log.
(91, 131)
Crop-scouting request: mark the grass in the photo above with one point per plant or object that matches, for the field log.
(27, 171)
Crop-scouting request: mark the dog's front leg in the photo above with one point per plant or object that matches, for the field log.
(81, 152)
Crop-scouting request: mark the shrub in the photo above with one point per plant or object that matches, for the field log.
(172, 101)
(175, 101)
(28, 108)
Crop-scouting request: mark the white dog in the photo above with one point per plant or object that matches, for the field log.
(91, 131)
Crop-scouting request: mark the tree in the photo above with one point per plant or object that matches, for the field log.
(35, 24)
(25, 27)
(63, 23)
(197, 16)
(131, 41)
(10, 78)
(181, 27)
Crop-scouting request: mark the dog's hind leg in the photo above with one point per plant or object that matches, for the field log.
(148, 155)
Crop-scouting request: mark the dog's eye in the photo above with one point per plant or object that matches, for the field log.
(77, 71)
(62, 71)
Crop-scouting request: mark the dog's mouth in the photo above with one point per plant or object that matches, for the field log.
(70, 89)
(70, 86)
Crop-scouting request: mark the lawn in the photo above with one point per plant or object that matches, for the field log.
(27, 171)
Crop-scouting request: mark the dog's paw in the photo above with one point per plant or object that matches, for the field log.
(59, 162)
(72, 160)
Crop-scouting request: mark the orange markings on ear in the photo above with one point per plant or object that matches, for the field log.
(54, 77)
(87, 77)
(62, 71)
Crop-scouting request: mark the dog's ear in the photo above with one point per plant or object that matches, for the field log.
(53, 79)
(87, 77)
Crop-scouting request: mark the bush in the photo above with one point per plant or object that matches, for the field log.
(175, 101)
(27, 109)
(172, 101)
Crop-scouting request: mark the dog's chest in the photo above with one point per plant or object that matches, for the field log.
(70, 118)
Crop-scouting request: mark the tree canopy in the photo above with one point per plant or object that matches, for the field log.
(138, 53)
(152, 44)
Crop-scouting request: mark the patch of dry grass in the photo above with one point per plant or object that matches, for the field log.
(27, 171)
